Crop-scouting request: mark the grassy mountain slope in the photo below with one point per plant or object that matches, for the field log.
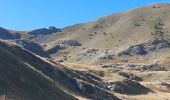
(112, 56)
(137, 25)
(117, 32)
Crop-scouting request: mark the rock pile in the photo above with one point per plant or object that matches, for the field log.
(95, 53)
(145, 48)
(87, 53)
(106, 55)
(68, 43)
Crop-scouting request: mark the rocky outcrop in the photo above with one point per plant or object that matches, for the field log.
(95, 92)
(130, 76)
(165, 86)
(95, 53)
(106, 55)
(87, 77)
(90, 85)
(87, 53)
(116, 65)
(152, 67)
(68, 43)
(127, 87)
(145, 48)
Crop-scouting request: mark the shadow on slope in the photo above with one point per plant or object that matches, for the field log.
(33, 47)
(20, 81)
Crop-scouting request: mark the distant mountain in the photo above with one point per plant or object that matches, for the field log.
(28, 39)
(9, 34)
(13, 34)
(44, 31)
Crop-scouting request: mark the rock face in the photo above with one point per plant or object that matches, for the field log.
(127, 87)
(145, 48)
(44, 31)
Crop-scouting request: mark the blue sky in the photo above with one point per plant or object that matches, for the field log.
(31, 14)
